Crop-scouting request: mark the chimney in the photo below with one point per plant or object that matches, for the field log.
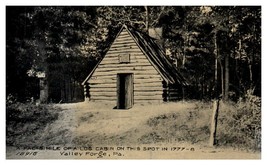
(155, 33)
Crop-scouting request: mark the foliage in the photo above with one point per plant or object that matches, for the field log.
(240, 124)
(66, 43)
(24, 121)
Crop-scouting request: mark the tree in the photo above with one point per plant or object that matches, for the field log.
(18, 51)
(203, 41)
(54, 36)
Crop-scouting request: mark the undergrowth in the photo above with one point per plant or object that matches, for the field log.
(26, 121)
(239, 125)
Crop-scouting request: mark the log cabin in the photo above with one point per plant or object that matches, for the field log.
(135, 70)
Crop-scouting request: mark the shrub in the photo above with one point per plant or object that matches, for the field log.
(239, 125)
(23, 121)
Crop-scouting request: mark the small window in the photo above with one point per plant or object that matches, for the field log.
(124, 58)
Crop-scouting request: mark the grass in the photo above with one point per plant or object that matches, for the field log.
(25, 122)
(239, 124)
(191, 126)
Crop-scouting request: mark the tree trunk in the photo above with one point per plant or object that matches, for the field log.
(250, 74)
(185, 45)
(222, 77)
(216, 66)
(214, 119)
(147, 18)
(226, 78)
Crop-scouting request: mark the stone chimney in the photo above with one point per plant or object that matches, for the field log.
(155, 33)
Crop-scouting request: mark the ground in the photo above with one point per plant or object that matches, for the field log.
(95, 130)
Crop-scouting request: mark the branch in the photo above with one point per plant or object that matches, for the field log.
(156, 20)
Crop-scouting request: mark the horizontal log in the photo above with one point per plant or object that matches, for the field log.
(114, 52)
(103, 89)
(103, 94)
(142, 76)
(104, 77)
(133, 61)
(148, 94)
(124, 70)
(141, 68)
(130, 70)
(138, 57)
(123, 49)
(137, 79)
(141, 73)
(124, 33)
(133, 54)
(115, 60)
(136, 89)
(153, 88)
(97, 85)
(158, 97)
(138, 82)
(148, 85)
(116, 65)
(137, 95)
(122, 41)
(103, 98)
(124, 45)
(124, 36)
(103, 81)
(151, 80)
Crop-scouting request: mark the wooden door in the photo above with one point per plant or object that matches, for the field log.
(124, 91)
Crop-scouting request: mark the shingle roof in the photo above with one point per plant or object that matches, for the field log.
(156, 55)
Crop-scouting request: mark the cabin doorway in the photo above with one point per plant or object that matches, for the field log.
(124, 90)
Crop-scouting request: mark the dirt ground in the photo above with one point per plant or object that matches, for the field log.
(97, 131)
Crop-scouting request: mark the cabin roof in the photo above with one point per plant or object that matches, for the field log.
(156, 56)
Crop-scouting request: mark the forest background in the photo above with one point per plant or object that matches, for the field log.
(217, 48)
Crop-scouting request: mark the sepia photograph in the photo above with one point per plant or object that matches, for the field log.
(133, 82)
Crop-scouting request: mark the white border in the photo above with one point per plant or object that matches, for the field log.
(5, 3)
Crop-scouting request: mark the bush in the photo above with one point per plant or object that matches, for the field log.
(239, 125)
(23, 121)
